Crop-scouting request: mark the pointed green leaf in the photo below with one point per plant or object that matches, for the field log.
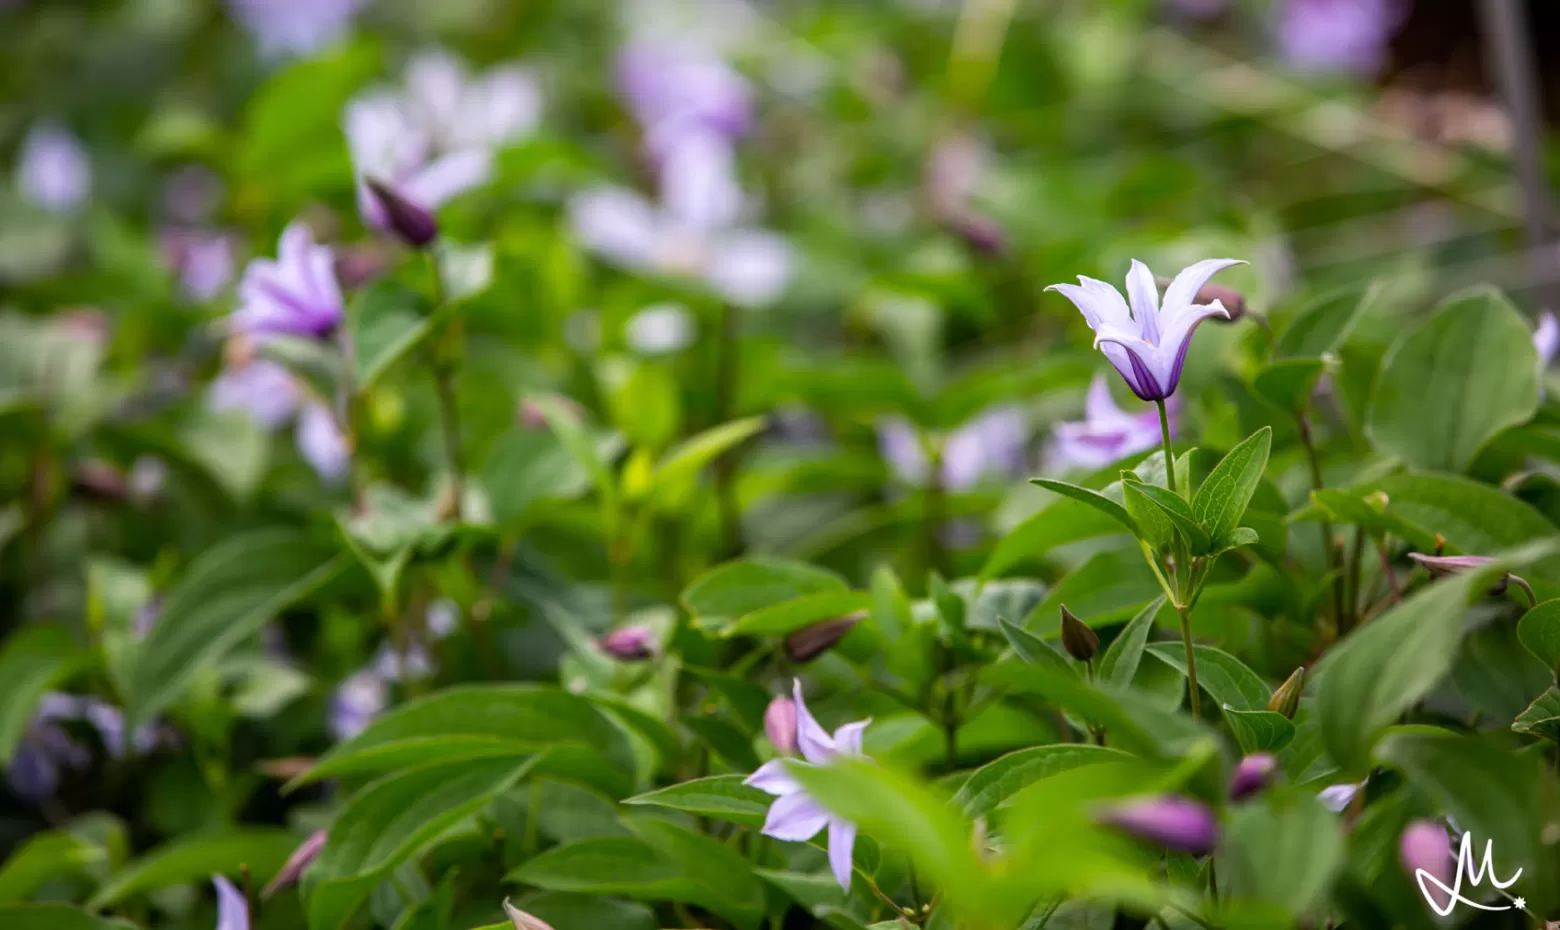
(197, 858)
(995, 782)
(384, 323)
(1032, 648)
(1542, 717)
(723, 797)
(679, 469)
(1121, 660)
(1225, 678)
(1177, 511)
(1154, 525)
(1093, 498)
(1539, 631)
(1259, 730)
(1221, 500)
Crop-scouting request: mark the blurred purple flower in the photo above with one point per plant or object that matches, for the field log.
(388, 146)
(232, 906)
(1336, 797)
(1106, 434)
(1148, 342)
(455, 111)
(991, 444)
(794, 815)
(53, 170)
(1252, 774)
(1425, 847)
(359, 698)
(1546, 339)
(295, 27)
(632, 643)
(1338, 35)
(1172, 822)
(260, 387)
(203, 261)
(47, 747)
(322, 443)
(413, 664)
(295, 294)
(148, 476)
(442, 618)
(297, 863)
(675, 89)
(780, 725)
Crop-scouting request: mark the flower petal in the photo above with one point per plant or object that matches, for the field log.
(795, 818)
(1179, 326)
(322, 444)
(1099, 303)
(232, 909)
(814, 741)
(842, 841)
(773, 778)
(847, 739)
(1546, 338)
(749, 268)
(1182, 292)
(1145, 379)
(618, 223)
(1144, 294)
(444, 177)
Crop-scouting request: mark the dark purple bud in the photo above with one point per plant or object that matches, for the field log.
(415, 225)
(780, 725)
(361, 262)
(1425, 846)
(813, 641)
(522, 920)
(1172, 822)
(633, 643)
(296, 864)
(1080, 642)
(1286, 700)
(1252, 775)
(1231, 299)
(100, 480)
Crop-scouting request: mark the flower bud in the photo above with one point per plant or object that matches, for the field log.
(1080, 642)
(813, 641)
(522, 920)
(98, 479)
(1440, 566)
(415, 225)
(1229, 298)
(1252, 775)
(1426, 847)
(633, 643)
(1172, 822)
(780, 725)
(1286, 700)
(296, 864)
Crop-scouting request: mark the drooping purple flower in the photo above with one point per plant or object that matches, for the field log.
(203, 261)
(322, 443)
(1252, 774)
(261, 388)
(389, 147)
(675, 89)
(359, 698)
(232, 907)
(795, 816)
(294, 294)
(53, 169)
(295, 27)
(296, 864)
(780, 725)
(1147, 343)
(632, 643)
(1338, 35)
(1106, 434)
(1336, 797)
(1170, 821)
(990, 444)
(1425, 852)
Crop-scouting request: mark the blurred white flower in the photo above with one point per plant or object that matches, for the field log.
(322, 443)
(295, 27)
(659, 329)
(991, 444)
(458, 111)
(53, 169)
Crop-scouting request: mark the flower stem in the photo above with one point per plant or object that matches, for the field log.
(1164, 433)
(1318, 483)
(442, 361)
(1184, 611)
(727, 367)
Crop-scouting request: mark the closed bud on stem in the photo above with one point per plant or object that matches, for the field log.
(1425, 846)
(813, 641)
(1252, 774)
(780, 725)
(633, 643)
(1232, 299)
(1286, 700)
(522, 920)
(1173, 822)
(296, 864)
(415, 225)
(1080, 642)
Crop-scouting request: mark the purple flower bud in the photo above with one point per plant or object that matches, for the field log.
(296, 864)
(415, 225)
(780, 725)
(1080, 642)
(1172, 822)
(522, 920)
(1426, 847)
(100, 480)
(633, 643)
(1252, 775)
(813, 641)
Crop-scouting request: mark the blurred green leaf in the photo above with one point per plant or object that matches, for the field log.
(1095, 499)
(1539, 631)
(1325, 323)
(1288, 384)
(1542, 717)
(44, 856)
(1120, 663)
(1258, 730)
(1281, 850)
(194, 859)
(800, 613)
(32, 660)
(1065, 521)
(738, 588)
(993, 783)
(677, 471)
(50, 917)
(723, 797)
(384, 323)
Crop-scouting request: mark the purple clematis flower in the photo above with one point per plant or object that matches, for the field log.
(1106, 433)
(295, 294)
(1147, 343)
(232, 906)
(295, 27)
(322, 443)
(991, 444)
(203, 261)
(676, 89)
(1338, 35)
(389, 147)
(261, 388)
(795, 816)
(53, 170)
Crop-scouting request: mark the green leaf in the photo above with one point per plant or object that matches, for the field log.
(1474, 518)
(1287, 384)
(1133, 720)
(1032, 648)
(1283, 851)
(1093, 498)
(564, 422)
(1120, 663)
(1351, 507)
(292, 141)
(995, 782)
(738, 588)
(33, 660)
(1451, 383)
(526, 466)
(471, 722)
(1154, 525)
(1176, 509)
(197, 858)
(803, 612)
(44, 856)
(1542, 717)
(1325, 323)
(1225, 678)
(1258, 730)
(1065, 521)
(642, 397)
(51, 917)
(679, 469)
(226, 596)
(1539, 631)
(1110, 586)
(723, 797)
(226, 446)
(725, 739)
(389, 821)
(1221, 500)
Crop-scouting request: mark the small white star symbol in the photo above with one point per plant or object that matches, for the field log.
(1519, 903)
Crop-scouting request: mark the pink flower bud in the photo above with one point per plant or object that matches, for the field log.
(780, 725)
(1252, 775)
(1172, 822)
(629, 644)
(1426, 847)
(296, 864)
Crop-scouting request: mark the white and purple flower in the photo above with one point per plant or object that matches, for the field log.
(295, 27)
(53, 169)
(677, 89)
(47, 747)
(232, 906)
(203, 261)
(1106, 434)
(295, 294)
(992, 444)
(1338, 35)
(1148, 341)
(795, 816)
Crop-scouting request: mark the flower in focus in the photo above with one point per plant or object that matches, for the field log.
(1338, 35)
(294, 294)
(631, 643)
(1425, 847)
(295, 27)
(232, 906)
(203, 261)
(992, 443)
(1106, 434)
(794, 815)
(1252, 774)
(780, 725)
(1147, 342)
(53, 170)
(296, 864)
(1172, 822)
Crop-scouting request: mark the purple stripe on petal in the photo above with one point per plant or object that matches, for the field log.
(1147, 386)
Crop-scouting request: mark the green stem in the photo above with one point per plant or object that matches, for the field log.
(1184, 611)
(442, 361)
(727, 363)
(1318, 483)
(1164, 433)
